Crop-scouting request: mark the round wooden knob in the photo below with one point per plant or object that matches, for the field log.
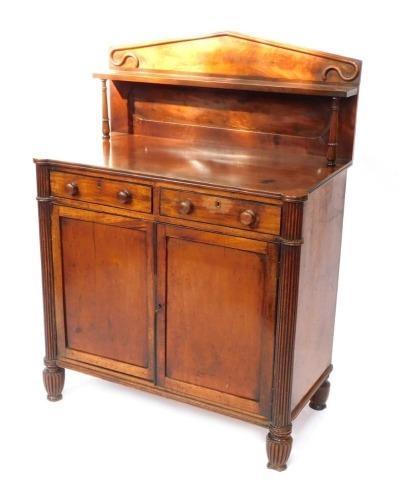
(124, 196)
(71, 188)
(185, 207)
(247, 217)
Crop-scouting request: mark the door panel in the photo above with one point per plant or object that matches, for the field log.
(218, 332)
(103, 272)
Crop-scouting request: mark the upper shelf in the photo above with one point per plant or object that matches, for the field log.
(235, 61)
(228, 82)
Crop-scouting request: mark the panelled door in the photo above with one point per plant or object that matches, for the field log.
(104, 279)
(216, 300)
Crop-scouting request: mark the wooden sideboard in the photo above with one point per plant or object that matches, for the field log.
(194, 251)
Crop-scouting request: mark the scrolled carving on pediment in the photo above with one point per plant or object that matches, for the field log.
(123, 59)
(237, 55)
(346, 77)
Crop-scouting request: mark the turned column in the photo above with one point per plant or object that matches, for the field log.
(105, 112)
(333, 133)
(53, 376)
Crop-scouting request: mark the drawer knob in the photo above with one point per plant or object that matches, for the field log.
(185, 207)
(247, 217)
(124, 196)
(71, 188)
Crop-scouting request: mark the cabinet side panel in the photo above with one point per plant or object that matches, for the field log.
(320, 258)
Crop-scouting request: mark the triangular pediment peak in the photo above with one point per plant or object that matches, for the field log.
(236, 55)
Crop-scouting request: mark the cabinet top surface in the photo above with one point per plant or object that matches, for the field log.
(264, 172)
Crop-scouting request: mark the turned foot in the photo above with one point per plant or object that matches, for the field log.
(53, 379)
(278, 444)
(318, 400)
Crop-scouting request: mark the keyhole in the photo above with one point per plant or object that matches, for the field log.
(218, 204)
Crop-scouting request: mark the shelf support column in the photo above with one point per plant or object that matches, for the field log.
(332, 145)
(105, 112)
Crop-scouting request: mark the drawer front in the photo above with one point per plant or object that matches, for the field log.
(116, 193)
(231, 212)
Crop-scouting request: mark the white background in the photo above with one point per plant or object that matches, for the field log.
(106, 441)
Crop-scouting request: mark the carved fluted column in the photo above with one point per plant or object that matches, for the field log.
(53, 375)
(279, 440)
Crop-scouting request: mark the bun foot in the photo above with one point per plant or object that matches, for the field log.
(318, 400)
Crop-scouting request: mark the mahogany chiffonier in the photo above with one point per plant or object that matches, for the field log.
(194, 253)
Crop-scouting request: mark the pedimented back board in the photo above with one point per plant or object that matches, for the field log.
(293, 93)
(237, 55)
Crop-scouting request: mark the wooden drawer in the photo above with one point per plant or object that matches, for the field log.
(116, 193)
(231, 212)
